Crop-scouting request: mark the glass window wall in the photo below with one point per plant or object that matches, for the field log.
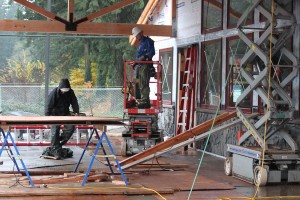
(166, 59)
(211, 74)
(212, 15)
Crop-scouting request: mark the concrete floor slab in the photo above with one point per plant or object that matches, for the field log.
(212, 183)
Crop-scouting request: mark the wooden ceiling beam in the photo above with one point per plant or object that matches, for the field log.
(83, 28)
(89, 17)
(106, 10)
(37, 9)
(150, 11)
(145, 12)
(70, 10)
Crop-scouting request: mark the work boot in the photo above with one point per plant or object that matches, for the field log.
(67, 153)
(47, 151)
(144, 104)
(131, 103)
(57, 153)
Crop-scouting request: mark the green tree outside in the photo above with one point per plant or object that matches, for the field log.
(107, 52)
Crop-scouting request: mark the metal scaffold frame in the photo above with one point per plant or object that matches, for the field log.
(270, 81)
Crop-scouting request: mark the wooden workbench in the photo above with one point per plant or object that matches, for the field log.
(96, 122)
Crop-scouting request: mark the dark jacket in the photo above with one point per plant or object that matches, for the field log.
(58, 102)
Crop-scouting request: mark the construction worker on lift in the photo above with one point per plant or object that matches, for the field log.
(145, 52)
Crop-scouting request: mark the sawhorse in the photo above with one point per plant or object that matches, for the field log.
(6, 136)
(100, 144)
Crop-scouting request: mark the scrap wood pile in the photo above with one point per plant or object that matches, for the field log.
(158, 167)
(69, 184)
(11, 179)
(155, 164)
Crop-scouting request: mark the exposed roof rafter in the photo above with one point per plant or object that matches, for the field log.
(107, 10)
(83, 25)
(37, 9)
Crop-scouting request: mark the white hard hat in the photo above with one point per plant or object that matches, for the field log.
(135, 31)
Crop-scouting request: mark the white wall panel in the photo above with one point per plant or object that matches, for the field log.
(188, 18)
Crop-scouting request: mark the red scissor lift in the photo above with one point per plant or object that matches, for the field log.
(142, 131)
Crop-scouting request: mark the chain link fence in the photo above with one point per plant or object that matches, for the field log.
(101, 102)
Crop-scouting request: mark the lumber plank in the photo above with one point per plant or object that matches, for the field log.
(182, 144)
(160, 166)
(75, 174)
(100, 190)
(10, 175)
(6, 182)
(52, 120)
(205, 126)
(101, 177)
(48, 157)
(189, 141)
(41, 173)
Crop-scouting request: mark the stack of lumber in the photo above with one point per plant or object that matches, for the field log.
(11, 179)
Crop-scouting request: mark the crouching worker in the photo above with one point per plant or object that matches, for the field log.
(59, 101)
